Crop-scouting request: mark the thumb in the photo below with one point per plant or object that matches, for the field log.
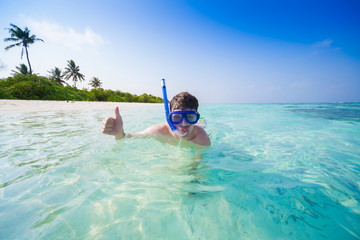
(117, 113)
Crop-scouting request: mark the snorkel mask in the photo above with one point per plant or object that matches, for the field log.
(177, 117)
(190, 116)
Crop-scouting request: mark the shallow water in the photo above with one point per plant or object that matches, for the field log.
(274, 171)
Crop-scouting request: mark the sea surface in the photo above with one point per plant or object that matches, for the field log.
(274, 171)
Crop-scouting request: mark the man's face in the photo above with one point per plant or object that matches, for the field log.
(184, 127)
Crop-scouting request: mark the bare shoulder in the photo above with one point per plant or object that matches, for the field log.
(160, 128)
(201, 137)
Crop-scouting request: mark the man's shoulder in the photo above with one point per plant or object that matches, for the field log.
(160, 128)
(200, 130)
(201, 137)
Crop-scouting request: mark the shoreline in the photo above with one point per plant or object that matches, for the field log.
(23, 106)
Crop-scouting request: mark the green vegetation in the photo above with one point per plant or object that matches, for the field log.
(26, 85)
(34, 87)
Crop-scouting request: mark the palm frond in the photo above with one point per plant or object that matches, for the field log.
(12, 45)
(10, 39)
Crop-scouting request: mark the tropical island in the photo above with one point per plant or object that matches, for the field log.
(24, 84)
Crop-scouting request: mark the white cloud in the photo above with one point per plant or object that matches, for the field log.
(64, 35)
(324, 43)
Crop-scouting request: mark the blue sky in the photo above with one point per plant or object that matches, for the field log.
(221, 51)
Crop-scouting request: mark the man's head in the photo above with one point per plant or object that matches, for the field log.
(184, 101)
(184, 114)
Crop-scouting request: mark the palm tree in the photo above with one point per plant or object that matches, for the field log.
(73, 71)
(95, 82)
(57, 76)
(21, 69)
(23, 38)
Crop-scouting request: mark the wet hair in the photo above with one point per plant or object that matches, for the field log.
(184, 100)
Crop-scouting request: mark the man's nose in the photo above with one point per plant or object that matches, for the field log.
(184, 122)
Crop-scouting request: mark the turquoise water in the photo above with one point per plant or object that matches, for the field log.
(274, 171)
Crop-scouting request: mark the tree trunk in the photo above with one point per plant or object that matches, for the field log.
(27, 57)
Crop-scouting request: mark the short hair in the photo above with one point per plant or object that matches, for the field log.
(184, 100)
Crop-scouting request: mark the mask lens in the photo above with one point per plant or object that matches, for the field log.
(191, 117)
(176, 118)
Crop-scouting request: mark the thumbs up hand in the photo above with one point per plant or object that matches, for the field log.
(114, 126)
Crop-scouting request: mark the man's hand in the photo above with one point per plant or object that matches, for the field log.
(114, 126)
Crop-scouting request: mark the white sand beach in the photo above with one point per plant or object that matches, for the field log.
(43, 106)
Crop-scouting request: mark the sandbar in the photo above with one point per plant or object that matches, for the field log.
(23, 106)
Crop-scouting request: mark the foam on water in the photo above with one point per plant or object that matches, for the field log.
(274, 171)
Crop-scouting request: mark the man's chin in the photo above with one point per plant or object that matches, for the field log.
(181, 133)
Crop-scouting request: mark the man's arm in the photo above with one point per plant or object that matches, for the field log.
(150, 131)
(115, 127)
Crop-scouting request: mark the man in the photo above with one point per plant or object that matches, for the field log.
(183, 116)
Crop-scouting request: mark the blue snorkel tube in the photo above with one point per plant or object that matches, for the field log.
(166, 105)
